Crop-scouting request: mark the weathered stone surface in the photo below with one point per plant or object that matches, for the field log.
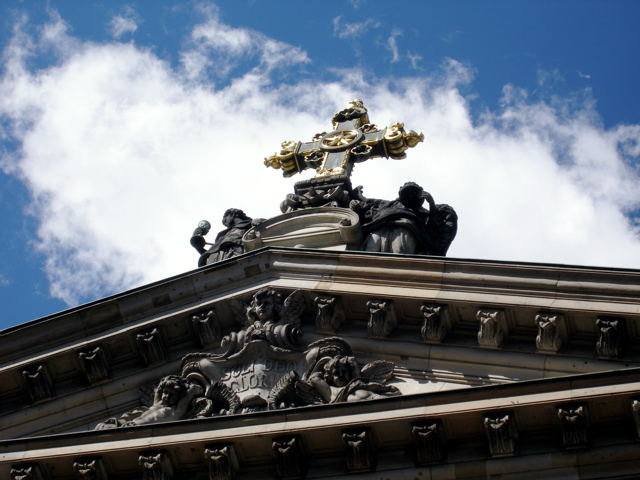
(436, 323)
(26, 471)
(360, 450)
(382, 318)
(155, 465)
(151, 346)
(207, 328)
(493, 329)
(329, 313)
(552, 332)
(94, 364)
(428, 442)
(38, 382)
(502, 433)
(290, 457)
(612, 333)
(574, 422)
(222, 461)
(89, 468)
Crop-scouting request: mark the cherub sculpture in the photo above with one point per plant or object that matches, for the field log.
(267, 317)
(172, 400)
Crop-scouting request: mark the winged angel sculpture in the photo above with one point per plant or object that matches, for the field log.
(264, 365)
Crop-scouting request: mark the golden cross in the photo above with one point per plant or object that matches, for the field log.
(353, 139)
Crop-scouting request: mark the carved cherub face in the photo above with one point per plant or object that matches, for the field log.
(340, 371)
(264, 305)
(169, 390)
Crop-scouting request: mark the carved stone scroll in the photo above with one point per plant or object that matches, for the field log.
(329, 313)
(290, 456)
(207, 328)
(26, 471)
(360, 449)
(552, 332)
(222, 461)
(635, 412)
(493, 328)
(38, 382)
(436, 323)
(611, 336)
(382, 318)
(155, 465)
(574, 423)
(502, 434)
(94, 364)
(90, 468)
(151, 346)
(428, 440)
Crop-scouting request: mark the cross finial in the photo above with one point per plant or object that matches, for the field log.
(353, 139)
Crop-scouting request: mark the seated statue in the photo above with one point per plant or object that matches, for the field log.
(403, 225)
(228, 242)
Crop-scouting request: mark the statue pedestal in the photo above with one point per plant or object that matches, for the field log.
(330, 228)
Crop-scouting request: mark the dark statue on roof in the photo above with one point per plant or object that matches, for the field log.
(411, 224)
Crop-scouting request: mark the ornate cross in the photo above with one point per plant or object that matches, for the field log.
(353, 139)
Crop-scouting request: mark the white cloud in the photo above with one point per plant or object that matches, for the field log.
(217, 48)
(4, 281)
(586, 76)
(123, 155)
(392, 45)
(342, 29)
(415, 60)
(125, 23)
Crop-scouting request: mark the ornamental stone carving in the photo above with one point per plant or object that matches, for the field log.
(222, 461)
(382, 318)
(436, 323)
(502, 433)
(38, 382)
(155, 465)
(635, 413)
(552, 332)
(290, 457)
(428, 442)
(360, 450)
(574, 425)
(90, 468)
(26, 471)
(611, 337)
(493, 329)
(329, 313)
(94, 364)
(151, 346)
(263, 365)
(206, 327)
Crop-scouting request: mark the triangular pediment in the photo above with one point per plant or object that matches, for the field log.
(439, 324)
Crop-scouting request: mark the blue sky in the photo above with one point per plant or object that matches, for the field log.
(124, 123)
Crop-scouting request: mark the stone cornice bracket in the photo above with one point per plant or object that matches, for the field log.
(437, 322)
(612, 332)
(635, 413)
(360, 449)
(502, 433)
(94, 364)
(552, 332)
(329, 313)
(382, 318)
(206, 328)
(222, 461)
(89, 468)
(155, 465)
(291, 457)
(574, 422)
(26, 471)
(38, 382)
(493, 328)
(428, 442)
(151, 346)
